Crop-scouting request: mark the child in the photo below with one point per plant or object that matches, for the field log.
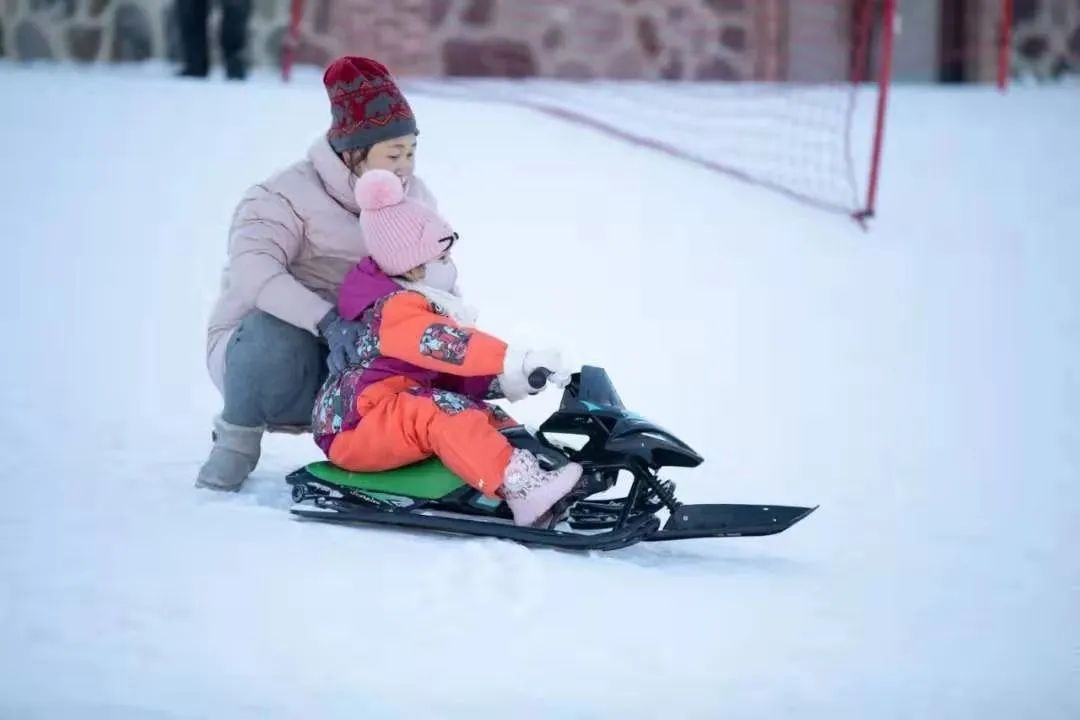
(424, 373)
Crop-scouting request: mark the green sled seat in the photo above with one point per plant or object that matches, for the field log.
(426, 480)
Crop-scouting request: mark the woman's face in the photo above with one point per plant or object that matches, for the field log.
(396, 155)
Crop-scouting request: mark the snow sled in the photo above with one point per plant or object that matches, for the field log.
(428, 496)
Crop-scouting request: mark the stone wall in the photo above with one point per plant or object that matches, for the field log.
(121, 30)
(699, 39)
(1046, 38)
(647, 39)
(91, 31)
(639, 39)
(549, 38)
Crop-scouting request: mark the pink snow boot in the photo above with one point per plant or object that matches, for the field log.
(530, 491)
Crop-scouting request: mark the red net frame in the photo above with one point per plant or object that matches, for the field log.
(860, 69)
(291, 39)
(1005, 24)
(975, 42)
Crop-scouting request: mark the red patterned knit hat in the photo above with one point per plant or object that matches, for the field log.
(366, 105)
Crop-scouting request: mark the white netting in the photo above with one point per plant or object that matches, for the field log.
(791, 131)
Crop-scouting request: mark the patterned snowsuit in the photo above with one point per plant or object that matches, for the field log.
(419, 389)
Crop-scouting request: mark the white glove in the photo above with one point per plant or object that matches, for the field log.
(520, 363)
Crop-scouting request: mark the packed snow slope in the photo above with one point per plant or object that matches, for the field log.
(919, 382)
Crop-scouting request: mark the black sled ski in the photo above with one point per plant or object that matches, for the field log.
(612, 539)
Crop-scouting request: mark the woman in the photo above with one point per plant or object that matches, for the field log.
(274, 332)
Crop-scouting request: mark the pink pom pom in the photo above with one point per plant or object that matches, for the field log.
(377, 189)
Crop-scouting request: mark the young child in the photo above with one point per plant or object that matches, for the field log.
(424, 373)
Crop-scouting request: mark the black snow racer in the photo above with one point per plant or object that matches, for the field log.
(428, 496)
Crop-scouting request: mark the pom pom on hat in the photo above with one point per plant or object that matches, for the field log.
(378, 189)
(400, 232)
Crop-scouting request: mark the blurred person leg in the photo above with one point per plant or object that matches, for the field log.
(192, 18)
(235, 15)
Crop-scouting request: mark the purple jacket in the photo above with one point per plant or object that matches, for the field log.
(421, 332)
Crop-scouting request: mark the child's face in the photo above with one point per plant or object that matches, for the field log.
(439, 273)
(396, 155)
(419, 272)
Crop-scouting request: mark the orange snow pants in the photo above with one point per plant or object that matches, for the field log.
(402, 428)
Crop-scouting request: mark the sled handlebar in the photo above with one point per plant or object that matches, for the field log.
(538, 378)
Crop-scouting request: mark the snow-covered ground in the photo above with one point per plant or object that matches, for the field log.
(921, 382)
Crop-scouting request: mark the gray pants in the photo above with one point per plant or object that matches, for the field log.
(273, 371)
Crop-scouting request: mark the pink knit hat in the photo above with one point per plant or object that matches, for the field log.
(401, 233)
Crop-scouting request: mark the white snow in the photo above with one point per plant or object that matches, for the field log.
(920, 381)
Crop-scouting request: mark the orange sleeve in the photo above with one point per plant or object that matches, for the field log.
(410, 331)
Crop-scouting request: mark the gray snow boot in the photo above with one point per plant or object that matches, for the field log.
(234, 455)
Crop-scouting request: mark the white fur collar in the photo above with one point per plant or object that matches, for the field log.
(449, 302)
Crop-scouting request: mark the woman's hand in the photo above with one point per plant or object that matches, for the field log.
(342, 336)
